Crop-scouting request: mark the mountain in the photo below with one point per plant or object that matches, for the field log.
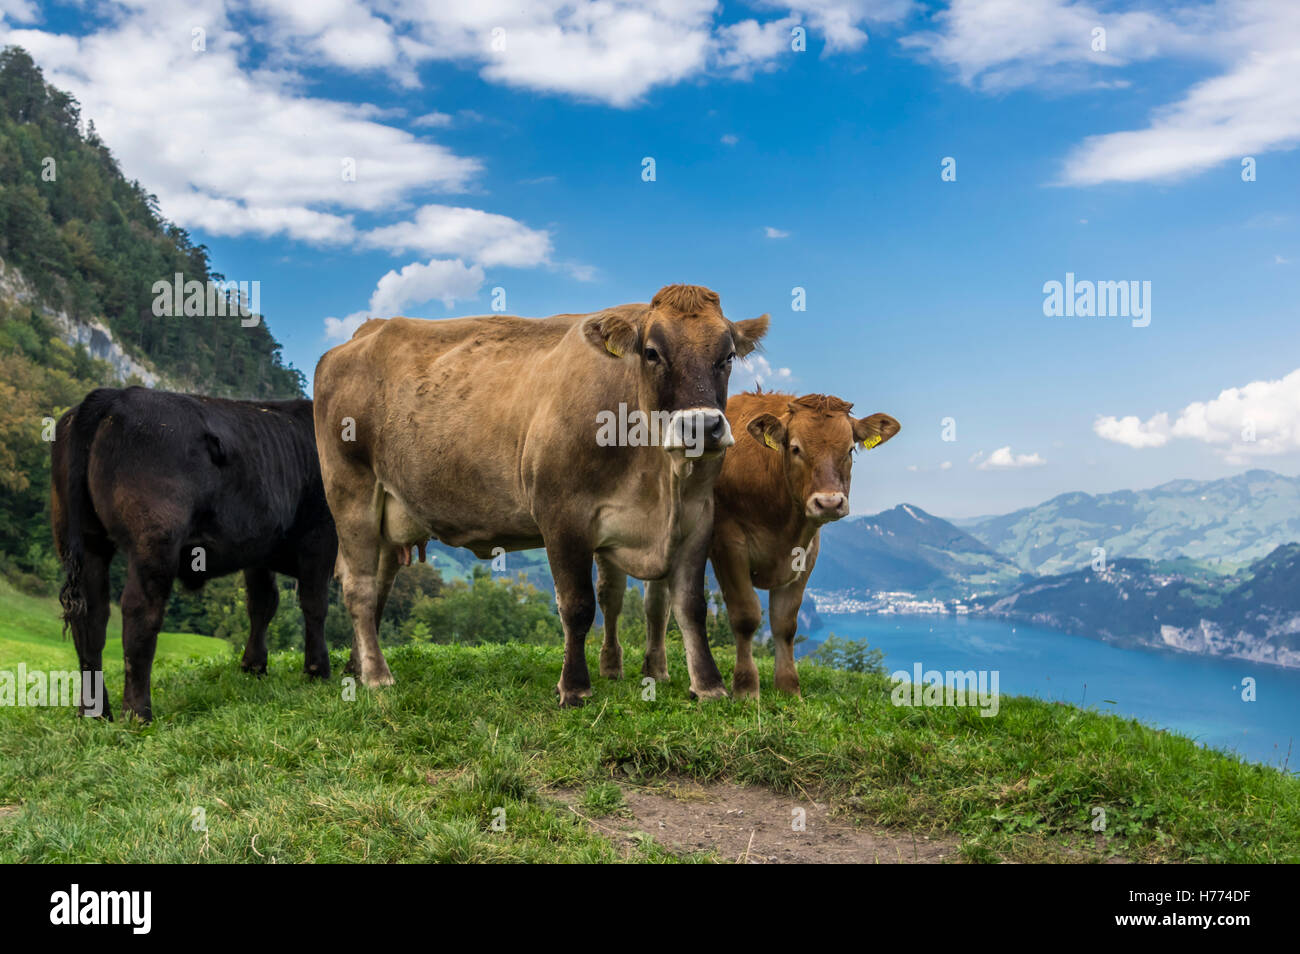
(908, 549)
(81, 248)
(1254, 614)
(1234, 520)
(84, 246)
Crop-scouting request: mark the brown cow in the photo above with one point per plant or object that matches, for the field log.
(771, 500)
(495, 432)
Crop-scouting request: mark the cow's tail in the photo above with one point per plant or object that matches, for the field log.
(78, 507)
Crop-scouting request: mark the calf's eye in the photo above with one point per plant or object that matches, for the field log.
(651, 355)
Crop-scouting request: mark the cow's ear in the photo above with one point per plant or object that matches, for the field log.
(747, 334)
(874, 430)
(768, 430)
(612, 334)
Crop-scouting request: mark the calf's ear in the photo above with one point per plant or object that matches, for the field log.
(874, 430)
(612, 334)
(768, 430)
(747, 334)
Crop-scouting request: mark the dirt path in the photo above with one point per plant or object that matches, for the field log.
(754, 826)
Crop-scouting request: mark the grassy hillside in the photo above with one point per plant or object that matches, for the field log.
(30, 632)
(287, 770)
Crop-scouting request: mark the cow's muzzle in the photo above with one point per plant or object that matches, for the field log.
(698, 432)
(827, 507)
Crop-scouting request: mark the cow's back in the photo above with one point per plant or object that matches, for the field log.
(236, 478)
(450, 417)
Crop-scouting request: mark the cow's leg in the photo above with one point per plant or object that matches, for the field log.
(784, 603)
(658, 602)
(389, 560)
(149, 577)
(263, 598)
(611, 582)
(355, 501)
(360, 594)
(691, 607)
(571, 569)
(313, 599)
(731, 567)
(89, 630)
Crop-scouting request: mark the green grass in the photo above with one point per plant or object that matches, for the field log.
(31, 632)
(289, 770)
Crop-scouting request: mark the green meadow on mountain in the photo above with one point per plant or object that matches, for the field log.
(1232, 521)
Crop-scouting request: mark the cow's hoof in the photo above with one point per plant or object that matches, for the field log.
(744, 684)
(256, 669)
(611, 665)
(572, 698)
(316, 672)
(376, 679)
(656, 673)
(706, 695)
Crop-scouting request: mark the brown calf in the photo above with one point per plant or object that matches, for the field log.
(773, 496)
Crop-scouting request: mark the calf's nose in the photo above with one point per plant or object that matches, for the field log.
(828, 506)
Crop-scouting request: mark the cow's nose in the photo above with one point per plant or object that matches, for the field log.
(828, 506)
(698, 431)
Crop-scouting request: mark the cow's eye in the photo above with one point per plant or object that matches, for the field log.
(652, 355)
(725, 363)
(794, 449)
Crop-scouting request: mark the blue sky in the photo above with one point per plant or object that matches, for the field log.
(522, 169)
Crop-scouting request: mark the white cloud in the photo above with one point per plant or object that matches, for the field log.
(996, 45)
(341, 329)
(484, 237)
(1259, 419)
(775, 233)
(433, 120)
(1003, 459)
(1250, 106)
(946, 465)
(1133, 432)
(20, 11)
(730, 140)
(444, 280)
(754, 370)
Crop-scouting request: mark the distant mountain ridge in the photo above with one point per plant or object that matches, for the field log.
(907, 548)
(1235, 520)
(1253, 615)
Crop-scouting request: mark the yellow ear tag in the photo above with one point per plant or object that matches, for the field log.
(871, 442)
(767, 439)
(611, 349)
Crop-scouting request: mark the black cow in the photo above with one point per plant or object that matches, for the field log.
(193, 488)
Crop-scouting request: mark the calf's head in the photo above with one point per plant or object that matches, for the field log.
(816, 438)
(684, 348)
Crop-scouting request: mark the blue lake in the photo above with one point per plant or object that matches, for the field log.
(1197, 696)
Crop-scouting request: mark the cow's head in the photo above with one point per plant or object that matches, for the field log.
(684, 348)
(816, 438)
